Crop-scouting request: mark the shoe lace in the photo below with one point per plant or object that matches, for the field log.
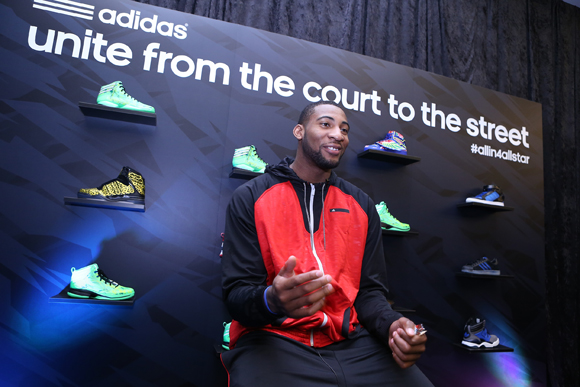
(124, 92)
(255, 154)
(381, 208)
(390, 217)
(103, 277)
(478, 262)
(391, 144)
(397, 138)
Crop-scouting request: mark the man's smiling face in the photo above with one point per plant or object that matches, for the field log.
(326, 136)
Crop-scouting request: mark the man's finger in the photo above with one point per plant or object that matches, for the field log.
(406, 353)
(403, 364)
(308, 310)
(405, 359)
(287, 270)
(410, 336)
(310, 299)
(415, 344)
(307, 282)
(409, 327)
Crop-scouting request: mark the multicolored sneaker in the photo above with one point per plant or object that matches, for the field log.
(491, 194)
(91, 282)
(388, 221)
(483, 266)
(394, 142)
(129, 186)
(114, 95)
(475, 335)
(226, 336)
(247, 158)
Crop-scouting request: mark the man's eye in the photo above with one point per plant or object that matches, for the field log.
(325, 124)
(344, 130)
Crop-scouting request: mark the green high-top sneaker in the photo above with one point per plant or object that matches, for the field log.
(114, 95)
(91, 282)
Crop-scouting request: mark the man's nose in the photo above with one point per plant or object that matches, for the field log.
(336, 133)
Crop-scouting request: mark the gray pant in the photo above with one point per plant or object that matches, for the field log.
(263, 359)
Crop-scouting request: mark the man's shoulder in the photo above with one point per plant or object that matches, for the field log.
(349, 188)
(255, 187)
(360, 196)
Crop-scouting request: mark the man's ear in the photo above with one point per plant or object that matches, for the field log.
(298, 132)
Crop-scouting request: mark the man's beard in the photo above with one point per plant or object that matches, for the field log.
(316, 156)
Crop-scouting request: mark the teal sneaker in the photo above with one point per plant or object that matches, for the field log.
(91, 282)
(247, 158)
(114, 95)
(388, 221)
(226, 336)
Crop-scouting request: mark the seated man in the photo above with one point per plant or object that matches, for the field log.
(304, 274)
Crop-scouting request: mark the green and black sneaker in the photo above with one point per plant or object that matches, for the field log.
(388, 221)
(91, 282)
(114, 95)
(129, 186)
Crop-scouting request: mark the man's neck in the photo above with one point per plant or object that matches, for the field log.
(309, 172)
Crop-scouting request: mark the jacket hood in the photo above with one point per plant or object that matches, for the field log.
(283, 170)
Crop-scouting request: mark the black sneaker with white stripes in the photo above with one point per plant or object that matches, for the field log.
(483, 266)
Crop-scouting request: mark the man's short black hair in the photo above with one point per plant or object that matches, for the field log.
(309, 109)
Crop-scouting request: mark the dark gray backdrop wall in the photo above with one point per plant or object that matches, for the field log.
(529, 49)
(186, 146)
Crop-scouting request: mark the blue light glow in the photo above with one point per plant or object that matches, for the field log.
(509, 369)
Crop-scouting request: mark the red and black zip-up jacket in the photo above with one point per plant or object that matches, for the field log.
(331, 226)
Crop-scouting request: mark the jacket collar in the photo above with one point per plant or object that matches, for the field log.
(283, 170)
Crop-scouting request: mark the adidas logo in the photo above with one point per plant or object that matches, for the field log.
(150, 24)
(66, 7)
(132, 19)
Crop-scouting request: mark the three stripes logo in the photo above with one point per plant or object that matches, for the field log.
(66, 7)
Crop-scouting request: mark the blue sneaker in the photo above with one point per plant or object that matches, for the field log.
(491, 195)
(394, 142)
(475, 335)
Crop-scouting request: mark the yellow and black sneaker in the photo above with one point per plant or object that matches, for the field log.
(129, 186)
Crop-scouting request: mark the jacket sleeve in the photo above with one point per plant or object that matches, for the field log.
(243, 272)
(373, 310)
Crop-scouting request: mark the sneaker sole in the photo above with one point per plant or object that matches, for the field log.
(368, 147)
(484, 272)
(248, 168)
(120, 199)
(395, 151)
(391, 228)
(114, 105)
(483, 344)
(474, 200)
(86, 294)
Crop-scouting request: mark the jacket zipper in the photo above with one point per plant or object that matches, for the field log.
(310, 216)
